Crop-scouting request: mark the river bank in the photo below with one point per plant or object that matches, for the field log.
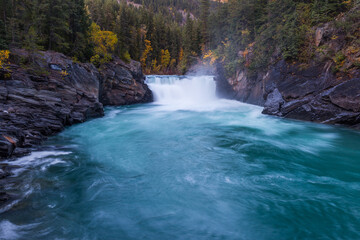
(47, 91)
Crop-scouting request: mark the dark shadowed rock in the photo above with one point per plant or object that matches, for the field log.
(273, 103)
(48, 91)
(311, 91)
(312, 95)
(6, 147)
(346, 95)
(40, 100)
(123, 84)
(223, 89)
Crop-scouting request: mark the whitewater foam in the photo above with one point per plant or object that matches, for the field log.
(37, 159)
(9, 230)
(198, 93)
(34, 156)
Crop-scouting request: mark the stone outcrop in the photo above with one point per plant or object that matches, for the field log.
(48, 91)
(325, 89)
(314, 94)
(123, 84)
(223, 87)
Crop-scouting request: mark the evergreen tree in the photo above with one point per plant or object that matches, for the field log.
(57, 26)
(189, 30)
(79, 23)
(204, 19)
(5, 5)
(180, 29)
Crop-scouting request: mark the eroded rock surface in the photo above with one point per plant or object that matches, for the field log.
(123, 84)
(48, 91)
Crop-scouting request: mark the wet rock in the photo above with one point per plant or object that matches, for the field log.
(6, 147)
(273, 103)
(55, 67)
(4, 197)
(224, 88)
(347, 95)
(4, 173)
(53, 92)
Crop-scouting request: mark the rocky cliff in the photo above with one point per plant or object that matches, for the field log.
(324, 89)
(123, 84)
(47, 91)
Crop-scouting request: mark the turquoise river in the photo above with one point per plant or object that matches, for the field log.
(188, 166)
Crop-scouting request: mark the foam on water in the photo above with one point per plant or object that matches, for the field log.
(196, 93)
(34, 157)
(10, 231)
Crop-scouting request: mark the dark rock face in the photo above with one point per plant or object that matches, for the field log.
(273, 102)
(123, 84)
(51, 91)
(240, 88)
(223, 87)
(314, 94)
(35, 105)
(311, 91)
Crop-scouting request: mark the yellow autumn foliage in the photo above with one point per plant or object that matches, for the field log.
(104, 42)
(165, 58)
(155, 67)
(4, 57)
(210, 56)
(64, 73)
(181, 54)
(145, 53)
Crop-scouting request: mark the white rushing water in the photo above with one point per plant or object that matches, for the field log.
(182, 90)
(186, 93)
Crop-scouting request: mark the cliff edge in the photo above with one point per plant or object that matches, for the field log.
(42, 92)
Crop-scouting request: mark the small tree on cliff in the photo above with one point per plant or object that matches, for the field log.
(145, 54)
(104, 42)
(165, 59)
(4, 60)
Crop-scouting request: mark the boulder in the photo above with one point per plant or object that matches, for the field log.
(123, 84)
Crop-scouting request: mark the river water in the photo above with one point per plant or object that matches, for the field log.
(188, 166)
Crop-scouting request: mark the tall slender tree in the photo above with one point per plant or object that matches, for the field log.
(204, 19)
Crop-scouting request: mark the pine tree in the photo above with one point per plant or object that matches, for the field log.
(188, 32)
(31, 40)
(79, 23)
(5, 5)
(57, 26)
(123, 31)
(204, 19)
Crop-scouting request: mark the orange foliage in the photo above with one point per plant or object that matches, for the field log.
(104, 42)
(145, 53)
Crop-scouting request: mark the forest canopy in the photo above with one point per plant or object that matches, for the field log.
(167, 36)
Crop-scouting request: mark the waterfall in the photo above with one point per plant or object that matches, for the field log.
(179, 92)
